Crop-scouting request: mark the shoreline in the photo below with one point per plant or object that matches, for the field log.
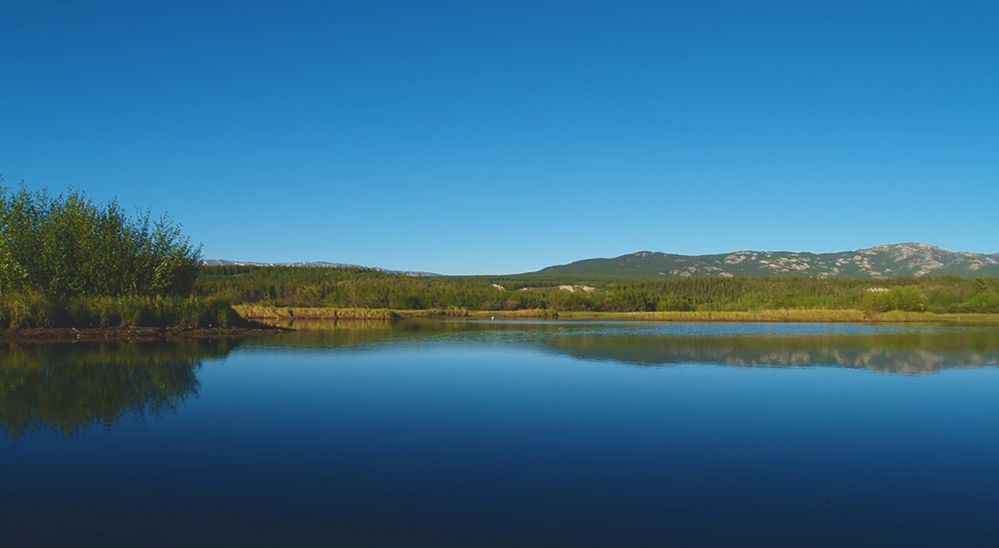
(256, 315)
(130, 334)
(265, 312)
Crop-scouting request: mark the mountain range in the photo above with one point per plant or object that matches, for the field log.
(883, 261)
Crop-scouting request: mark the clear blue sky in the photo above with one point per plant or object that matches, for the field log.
(466, 137)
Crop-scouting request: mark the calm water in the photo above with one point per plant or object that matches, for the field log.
(507, 434)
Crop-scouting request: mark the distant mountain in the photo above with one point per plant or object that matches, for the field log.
(908, 259)
(316, 264)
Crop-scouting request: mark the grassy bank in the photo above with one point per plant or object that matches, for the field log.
(291, 313)
(265, 312)
(37, 311)
(791, 315)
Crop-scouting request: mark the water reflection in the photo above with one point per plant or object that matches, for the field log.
(490, 433)
(70, 387)
(910, 353)
(890, 349)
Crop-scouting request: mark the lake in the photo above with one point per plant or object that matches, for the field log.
(422, 433)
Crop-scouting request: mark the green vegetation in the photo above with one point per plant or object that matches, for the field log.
(27, 310)
(66, 246)
(292, 313)
(305, 316)
(65, 261)
(796, 315)
(334, 288)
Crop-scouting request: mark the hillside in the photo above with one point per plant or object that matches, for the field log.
(883, 261)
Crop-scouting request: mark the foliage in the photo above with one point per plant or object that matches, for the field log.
(359, 288)
(67, 262)
(66, 246)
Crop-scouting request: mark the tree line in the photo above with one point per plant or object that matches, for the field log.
(359, 288)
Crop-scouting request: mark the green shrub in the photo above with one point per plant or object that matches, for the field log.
(66, 246)
(986, 303)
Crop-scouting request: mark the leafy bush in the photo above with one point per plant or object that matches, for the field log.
(66, 246)
(66, 262)
(986, 303)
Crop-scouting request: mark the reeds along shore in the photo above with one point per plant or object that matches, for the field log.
(266, 312)
(33, 310)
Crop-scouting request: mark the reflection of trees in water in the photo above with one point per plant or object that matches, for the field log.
(69, 387)
(916, 351)
(890, 352)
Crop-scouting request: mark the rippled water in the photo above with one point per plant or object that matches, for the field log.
(507, 434)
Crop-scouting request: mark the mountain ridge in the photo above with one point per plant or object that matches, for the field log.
(880, 261)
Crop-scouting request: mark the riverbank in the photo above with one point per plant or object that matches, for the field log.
(251, 317)
(792, 315)
(290, 313)
(265, 312)
(131, 334)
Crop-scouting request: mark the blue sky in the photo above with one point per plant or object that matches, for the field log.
(494, 137)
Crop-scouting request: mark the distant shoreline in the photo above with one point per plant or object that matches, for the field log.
(285, 316)
(266, 312)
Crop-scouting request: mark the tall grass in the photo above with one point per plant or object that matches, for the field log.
(34, 310)
(269, 312)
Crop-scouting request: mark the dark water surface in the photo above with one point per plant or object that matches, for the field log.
(507, 434)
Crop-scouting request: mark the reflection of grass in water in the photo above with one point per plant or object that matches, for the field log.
(325, 334)
(69, 387)
(902, 352)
